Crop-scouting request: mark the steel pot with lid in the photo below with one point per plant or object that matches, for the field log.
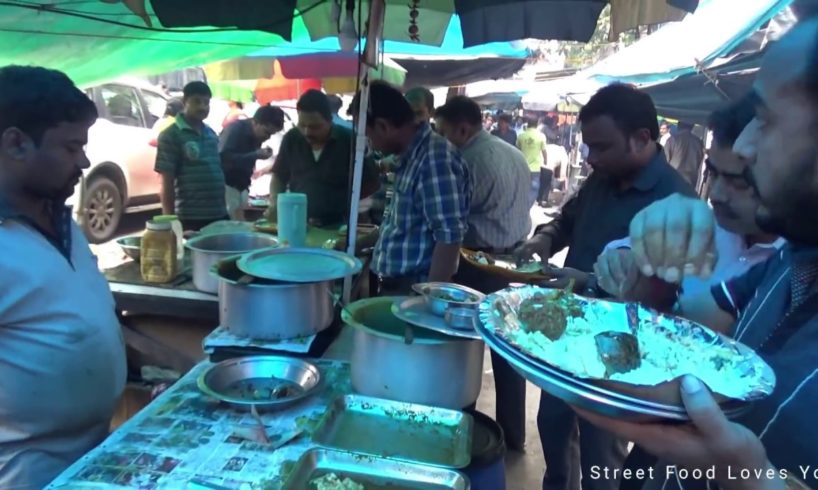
(424, 367)
(271, 310)
(208, 249)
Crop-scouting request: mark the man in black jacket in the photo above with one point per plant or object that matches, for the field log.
(239, 148)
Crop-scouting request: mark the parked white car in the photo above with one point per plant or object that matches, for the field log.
(122, 151)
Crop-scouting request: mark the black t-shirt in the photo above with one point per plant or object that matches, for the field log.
(237, 148)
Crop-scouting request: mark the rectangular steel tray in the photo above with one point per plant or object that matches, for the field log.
(397, 430)
(371, 472)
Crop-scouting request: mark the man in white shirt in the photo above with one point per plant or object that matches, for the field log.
(62, 358)
(739, 241)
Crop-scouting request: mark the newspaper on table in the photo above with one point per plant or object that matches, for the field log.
(223, 338)
(184, 435)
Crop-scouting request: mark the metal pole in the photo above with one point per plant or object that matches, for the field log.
(373, 40)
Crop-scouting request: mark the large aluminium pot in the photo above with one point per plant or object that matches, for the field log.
(271, 310)
(208, 249)
(434, 369)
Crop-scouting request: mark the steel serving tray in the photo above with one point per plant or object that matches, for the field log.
(396, 430)
(748, 378)
(587, 395)
(306, 264)
(217, 380)
(371, 472)
(415, 312)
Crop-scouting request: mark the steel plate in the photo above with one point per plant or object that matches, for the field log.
(371, 472)
(396, 430)
(498, 314)
(415, 312)
(219, 379)
(299, 264)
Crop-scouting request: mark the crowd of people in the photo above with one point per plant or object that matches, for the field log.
(744, 264)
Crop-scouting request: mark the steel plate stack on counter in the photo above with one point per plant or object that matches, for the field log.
(618, 359)
(443, 307)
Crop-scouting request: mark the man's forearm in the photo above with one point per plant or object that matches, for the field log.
(168, 195)
(444, 262)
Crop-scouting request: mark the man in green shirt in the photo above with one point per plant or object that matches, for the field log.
(188, 160)
(532, 144)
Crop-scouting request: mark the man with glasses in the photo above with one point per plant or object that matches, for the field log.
(740, 243)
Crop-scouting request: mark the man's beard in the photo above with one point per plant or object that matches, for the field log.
(791, 214)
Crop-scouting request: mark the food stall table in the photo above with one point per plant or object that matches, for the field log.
(182, 436)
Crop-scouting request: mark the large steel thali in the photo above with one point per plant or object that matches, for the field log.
(499, 321)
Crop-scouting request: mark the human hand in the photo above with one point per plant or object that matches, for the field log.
(617, 273)
(264, 153)
(674, 237)
(561, 278)
(709, 441)
(538, 244)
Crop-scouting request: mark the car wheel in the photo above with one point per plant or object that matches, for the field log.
(103, 209)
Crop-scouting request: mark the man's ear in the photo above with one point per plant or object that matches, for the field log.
(14, 143)
(641, 138)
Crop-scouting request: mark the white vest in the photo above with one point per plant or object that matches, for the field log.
(62, 356)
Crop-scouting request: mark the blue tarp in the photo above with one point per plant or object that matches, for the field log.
(715, 29)
(452, 47)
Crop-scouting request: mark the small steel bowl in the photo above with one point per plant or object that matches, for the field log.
(131, 246)
(217, 380)
(460, 318)
(463, 297)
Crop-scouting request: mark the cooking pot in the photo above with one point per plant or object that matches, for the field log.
(271, 310)
(207, 250)
(423, 367)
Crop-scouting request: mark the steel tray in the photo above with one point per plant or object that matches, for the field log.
(396, 430)
(373, 473)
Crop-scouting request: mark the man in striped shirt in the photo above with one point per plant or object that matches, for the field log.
(188, 159)
(425, 223)
(773, 308)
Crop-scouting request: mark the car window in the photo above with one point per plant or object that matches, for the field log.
(156, 106)
(122, 104)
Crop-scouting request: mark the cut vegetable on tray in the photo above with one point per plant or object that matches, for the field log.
(622, 344)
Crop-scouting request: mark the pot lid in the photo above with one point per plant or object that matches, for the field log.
(299, 264)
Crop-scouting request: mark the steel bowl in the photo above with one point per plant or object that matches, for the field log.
(219, 379)
(457, 296)
(460, 318)
(131, 246)
(207, 250)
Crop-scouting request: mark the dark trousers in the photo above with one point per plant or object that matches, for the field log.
(509, 386)
(198, 224)
(535, 187)
(638, 459)
(546, 177)
(572, 446)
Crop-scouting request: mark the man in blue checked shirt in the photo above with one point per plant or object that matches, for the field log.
(426, 221)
